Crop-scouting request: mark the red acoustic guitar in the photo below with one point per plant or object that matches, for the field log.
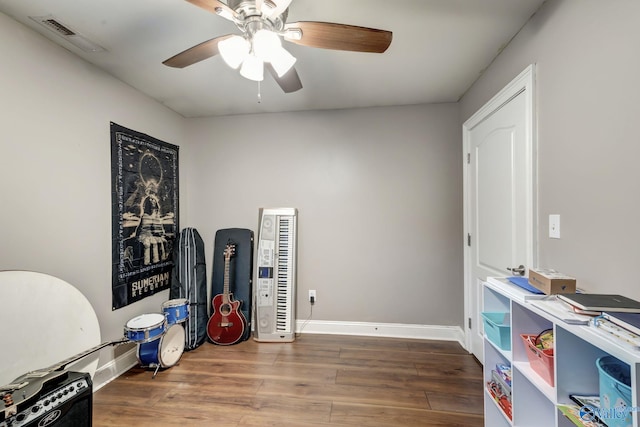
(227, 323)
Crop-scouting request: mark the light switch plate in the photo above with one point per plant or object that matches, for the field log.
(554, 226)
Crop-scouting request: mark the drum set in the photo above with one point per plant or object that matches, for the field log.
(160, 336)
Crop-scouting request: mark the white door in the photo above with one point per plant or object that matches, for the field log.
(499, 195)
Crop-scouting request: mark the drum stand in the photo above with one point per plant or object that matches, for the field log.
(156, 371)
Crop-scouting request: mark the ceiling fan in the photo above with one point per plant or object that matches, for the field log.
(262, 23)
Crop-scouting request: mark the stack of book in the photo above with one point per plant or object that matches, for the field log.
(617, 316)
(584, 412)
(628, 321)
(500, 387)
(562, 310)
(598, 303)
(622, 327)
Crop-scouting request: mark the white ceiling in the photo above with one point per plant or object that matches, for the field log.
(439, 48)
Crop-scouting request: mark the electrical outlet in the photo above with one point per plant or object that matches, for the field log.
(312, 295)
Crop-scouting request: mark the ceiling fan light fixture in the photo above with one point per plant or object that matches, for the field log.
(252, 68)
(268, 47)
(234, 50)
(265, 44)
(282, 61)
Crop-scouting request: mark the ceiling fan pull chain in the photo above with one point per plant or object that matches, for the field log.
(259, 94)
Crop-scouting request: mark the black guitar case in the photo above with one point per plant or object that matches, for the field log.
(240, 269)
(189, 280)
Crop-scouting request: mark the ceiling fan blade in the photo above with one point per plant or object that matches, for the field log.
(196, 53)
(329, 35)
(215, 6)
(289, 82)
(273, 7)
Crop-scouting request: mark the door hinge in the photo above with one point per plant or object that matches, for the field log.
(468, 158)
(469, 322)
(468, 239)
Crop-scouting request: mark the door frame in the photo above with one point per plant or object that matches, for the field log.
(523, 83)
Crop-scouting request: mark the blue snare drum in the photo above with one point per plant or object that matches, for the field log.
(164, 352)
(177, 310)
(146, 327)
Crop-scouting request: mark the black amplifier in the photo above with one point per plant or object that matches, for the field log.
(66, 403)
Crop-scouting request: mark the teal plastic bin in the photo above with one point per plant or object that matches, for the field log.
(497, 328)
(615, 392)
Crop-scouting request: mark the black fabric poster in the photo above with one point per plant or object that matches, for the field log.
(144, 174)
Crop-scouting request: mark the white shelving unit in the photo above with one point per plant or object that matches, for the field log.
(577, 347)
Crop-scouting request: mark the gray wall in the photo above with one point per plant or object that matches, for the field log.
(55, 173)
(586, 52)
(379, 198)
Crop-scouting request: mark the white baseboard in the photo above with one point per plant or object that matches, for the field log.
(112, 370)
(388, 330)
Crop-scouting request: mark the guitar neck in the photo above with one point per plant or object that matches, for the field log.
(61, 365)
(226, 276)
(229, 250)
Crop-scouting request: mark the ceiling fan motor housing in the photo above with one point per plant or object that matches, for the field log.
(250, 19)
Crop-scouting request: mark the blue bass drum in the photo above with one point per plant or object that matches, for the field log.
(163, 352)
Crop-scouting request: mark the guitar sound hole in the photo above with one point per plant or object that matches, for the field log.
(225, 309)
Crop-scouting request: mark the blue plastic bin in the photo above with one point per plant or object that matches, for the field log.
(497, 328)
(615, 391)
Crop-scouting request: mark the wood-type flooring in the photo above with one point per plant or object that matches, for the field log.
(316, 381)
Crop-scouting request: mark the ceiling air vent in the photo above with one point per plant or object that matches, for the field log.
(54, 25)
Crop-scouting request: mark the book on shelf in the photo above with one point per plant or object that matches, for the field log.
(577, 309)
(561, 310)
(580, 413)
(617, 334)
(523, 282)
(505, 372)
(501, 399)
(497, 379)
(628, 321)
(592, 400)
(585, 312)
(572, 412)
(602, 302)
